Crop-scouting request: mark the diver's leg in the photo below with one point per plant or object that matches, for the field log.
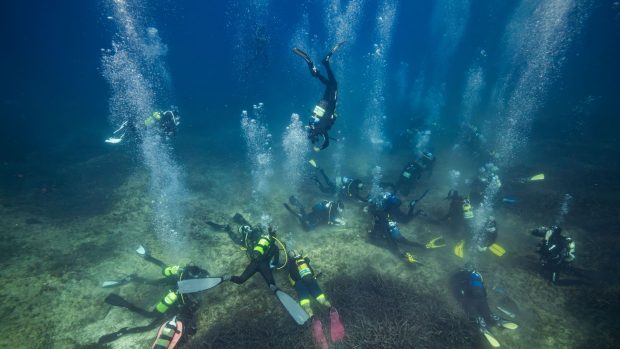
(250, 270)
(155, 261)
(265, 271)
(402, 240)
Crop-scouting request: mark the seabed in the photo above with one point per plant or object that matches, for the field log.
(65, 232)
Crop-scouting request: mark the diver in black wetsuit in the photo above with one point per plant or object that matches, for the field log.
(323, 212)
(343, 187)
(468, 287)
(323, 115)
(387, 230)
(387, 205)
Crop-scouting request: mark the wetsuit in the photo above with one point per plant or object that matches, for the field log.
(387, 230)
(323, 115)
(345, 187)
(412, 173)
(387, 206)
(303, 279)
(264, 254)
(323, 212)
(472, 294)
(557, 252)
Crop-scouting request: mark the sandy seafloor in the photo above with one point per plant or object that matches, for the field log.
(66, 231)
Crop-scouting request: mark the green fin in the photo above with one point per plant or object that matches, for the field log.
(197, 285)
(292, 307)
(313, 163)
(538, 177)
(497, 250)
(459, 248)
(509, 325)
(494, 343)
(436, 242)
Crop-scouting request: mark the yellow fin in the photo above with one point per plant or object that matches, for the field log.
(538, 177)
(509, 325)
(497, 250)
(458, 249)
(494, 343)
(312, 162)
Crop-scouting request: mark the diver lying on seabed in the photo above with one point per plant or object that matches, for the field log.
(180, 313)
(325, 212)
(342, 187)
(324, 113)
(261, 246)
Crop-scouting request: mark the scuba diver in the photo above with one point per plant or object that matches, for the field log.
(323, 115)
(387, 230)
(303, 279)
(468, 287)
(343, 187)
(181, 313)
(473, 141)
(165, 122)
(483, 238)
(413, 171)
(264, 254)
(387, 206)
(323, 212)
(557, 252)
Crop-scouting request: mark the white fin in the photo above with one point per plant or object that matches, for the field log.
(141, 250)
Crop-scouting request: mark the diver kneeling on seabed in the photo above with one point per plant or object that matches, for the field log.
(180, 314)
(469, 289)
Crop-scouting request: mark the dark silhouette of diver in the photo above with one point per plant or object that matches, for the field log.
(323, 114)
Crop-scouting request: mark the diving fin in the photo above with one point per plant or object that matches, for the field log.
(508, 324)
(216, 226)
(197, 285)
(333, 50)
(459, 248)
(112, 283)
(118, 301)
(141, 251)
(410, 258)
(494, 342)
(319, 336)
(436, 243)
(538, 177)
(112, 336)
(302, 54)
(292, 307)
(535, 178)
(313, 163)
(336, 330)
(239, 219)
(497, 250)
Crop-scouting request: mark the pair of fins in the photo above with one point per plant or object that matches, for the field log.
(307, 58)
(491, 339)
(336, 330)
(292, 307)
(495, 248)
